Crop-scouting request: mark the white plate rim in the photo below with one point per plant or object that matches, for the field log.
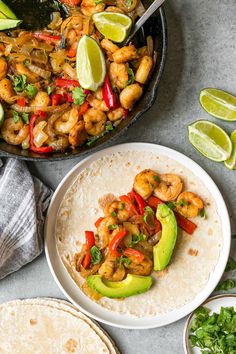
(129, 322)
(186, 326)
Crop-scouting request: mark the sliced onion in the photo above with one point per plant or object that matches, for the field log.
(56, 21)
(39, 56)
(6, 39)
(150, 46)
(68, 70)
(32, 109)
(45, 74)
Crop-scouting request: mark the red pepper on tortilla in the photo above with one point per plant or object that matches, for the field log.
(113, 245)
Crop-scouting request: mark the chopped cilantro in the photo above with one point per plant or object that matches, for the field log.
(26, 62)
(202, 213)
(25, 117)
(136, 239)
(128, 3)
(113, 213)
(156, 178)
(31, 91)
(123, 261)
(149, 216)
(226, 285)
(109, 126)
(16, 117)
(231, 265)
(97, 2)
(113, 227)
(19, 82)
(49, 90)
(173, 205)
(96, 255)
(214, 333)
(78, 95)
(92, 140)
(131, 77)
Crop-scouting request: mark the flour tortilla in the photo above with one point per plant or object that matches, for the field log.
(187, 274)
(49, 326)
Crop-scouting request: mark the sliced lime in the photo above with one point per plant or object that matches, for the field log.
(231, 162)
(7, 11)
(2, 15)
(7, 24)
(1, 114)
(219, 104)
(90, 64)
(113, 25)
(210, 140)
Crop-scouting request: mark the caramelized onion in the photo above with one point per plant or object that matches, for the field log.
(32, 109)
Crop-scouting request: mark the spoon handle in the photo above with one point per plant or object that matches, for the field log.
(152, 8)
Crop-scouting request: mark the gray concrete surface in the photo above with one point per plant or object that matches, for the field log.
(202, 53)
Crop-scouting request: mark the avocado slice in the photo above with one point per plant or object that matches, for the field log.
(163, 251)
(131, 285)
(7, 11)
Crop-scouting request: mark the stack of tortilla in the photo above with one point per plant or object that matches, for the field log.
(49, 326)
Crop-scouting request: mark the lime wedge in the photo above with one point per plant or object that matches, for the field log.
(2, 15)
(113, 25)
(210, 140)
(219, 104)
(90, 64)
(231, 162)
(7, 24)
(7, 12)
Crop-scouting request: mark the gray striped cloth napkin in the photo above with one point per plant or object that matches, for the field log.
(23, 203)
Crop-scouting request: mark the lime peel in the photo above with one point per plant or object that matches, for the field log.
(231, 162)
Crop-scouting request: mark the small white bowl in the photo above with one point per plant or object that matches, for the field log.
(214, 304)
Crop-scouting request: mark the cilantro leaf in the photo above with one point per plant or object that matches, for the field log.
(202, 213)
(226, 285)
(131, 77)
(123, 261)
(19, 82)
(78, 95)
(113, 227)
(31, 90)
(16, 117)
(49, 90)
(96, 255)
(97, 2)
(231, 265)
(25, 117)
(136, 239)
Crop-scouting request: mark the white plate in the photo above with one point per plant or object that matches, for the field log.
(89, 307)
(214, 304)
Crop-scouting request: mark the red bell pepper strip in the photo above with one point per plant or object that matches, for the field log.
(182, 222)
(132, 252)
(83, 108)
(42, 149)
(158, 225)
(140, 201)
(98, 222)
(66, 83)
(109, 95)
(113, 245)
(126, 112)
(57, 99)
(128, 201)
(21, 102)
(46, 37)
(90, 242)
(185, 224)
(71, 2)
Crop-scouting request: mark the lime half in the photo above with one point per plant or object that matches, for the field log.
(7, 24)
(90, 64)
(113, 25)
(7, 11)
(231, 162)
(210, 140)
(219, 104)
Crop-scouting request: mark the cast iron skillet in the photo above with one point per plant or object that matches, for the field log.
(36, 14)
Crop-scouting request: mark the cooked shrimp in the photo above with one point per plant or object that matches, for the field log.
(21, 69)
(105, 230)
(97, 104)
(125, 54)
(41, 99)
(130, 95)
(95, 121)
(114, 9)
(118, 74)
(191, 204)
(111, 270)
(78, 134)
(3, 68)
(140, 268)
(109, 46)
(6, 90)
(144, 69)
(89, 7)
(61, 143)
(116, 114)
(14, 133)
(145, 182)
(118, 210)
(127, 6)
(67, 121)
(169, 187)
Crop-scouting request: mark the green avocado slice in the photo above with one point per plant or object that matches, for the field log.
(163, 251)
(7, 24)
(131, 285)
(7, 11)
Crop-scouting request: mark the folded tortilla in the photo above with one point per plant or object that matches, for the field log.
(195, 257)
(49, 326)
